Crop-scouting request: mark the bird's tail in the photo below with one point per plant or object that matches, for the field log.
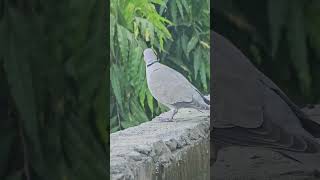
(206, 99)
(305, 150)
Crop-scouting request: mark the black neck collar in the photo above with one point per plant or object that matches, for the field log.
(148, 65)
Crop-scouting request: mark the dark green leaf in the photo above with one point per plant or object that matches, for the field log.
(192, 44)
(298, 47)
(278, 13)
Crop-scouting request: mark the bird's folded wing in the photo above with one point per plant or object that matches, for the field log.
(236, 92)
(310, 125)
(238, 88)
(169, 86)
(239, 100)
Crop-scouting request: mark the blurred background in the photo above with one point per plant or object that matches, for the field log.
(177, 29)
(281, 37)
(53, 90)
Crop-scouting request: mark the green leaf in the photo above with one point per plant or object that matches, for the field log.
(203, 76)
(173, 11)
(180, 8)
(112, 33)
(278, 14)
(186, 6)
(313, 26)
(162, 107)
(296, 37)
(116, 86)
(115, 129)
(150, 102)
(196, 61)
(122, 34)
(114, 121)
(192, 44)
(127, 124)
(255, 52)
(170, 35)
(142, 95)
(163, 7)
(17, 67)
(184, 42)
(138, 113)
(159, 2)
(87, 161)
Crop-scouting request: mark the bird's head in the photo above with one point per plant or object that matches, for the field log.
(149, 56)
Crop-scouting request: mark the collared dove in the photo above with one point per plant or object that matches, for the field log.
(171, 88)
(250, 110)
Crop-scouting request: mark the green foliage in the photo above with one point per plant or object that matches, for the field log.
(53, 90)
(176, 29)
(289, 30)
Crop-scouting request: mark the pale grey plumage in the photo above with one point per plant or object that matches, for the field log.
(250, 110)
(171, 88)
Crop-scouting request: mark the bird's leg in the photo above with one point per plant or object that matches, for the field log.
(200, 111)
(168, 116)
(203, 106)
(174, 112)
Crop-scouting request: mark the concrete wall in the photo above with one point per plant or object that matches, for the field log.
(156, 150)
(180, 150)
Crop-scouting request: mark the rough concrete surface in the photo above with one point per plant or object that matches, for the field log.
(180, 150)
(163, 150)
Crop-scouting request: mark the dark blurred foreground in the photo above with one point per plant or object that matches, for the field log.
(53, 90)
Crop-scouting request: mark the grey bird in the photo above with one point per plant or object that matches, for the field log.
(250, 110)
(171, 88)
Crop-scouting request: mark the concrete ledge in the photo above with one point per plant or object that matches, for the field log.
(163, 150)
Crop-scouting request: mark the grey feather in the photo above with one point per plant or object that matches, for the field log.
(171, 88)
(250, 110)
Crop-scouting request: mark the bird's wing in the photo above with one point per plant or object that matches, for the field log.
(235, 91)
(169, 86)
(249, 109)
(311, 126)
(280, 131)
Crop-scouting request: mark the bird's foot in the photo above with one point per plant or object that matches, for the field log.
(163, 119)
(167, 116)
(200, 111)
(205, 111)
